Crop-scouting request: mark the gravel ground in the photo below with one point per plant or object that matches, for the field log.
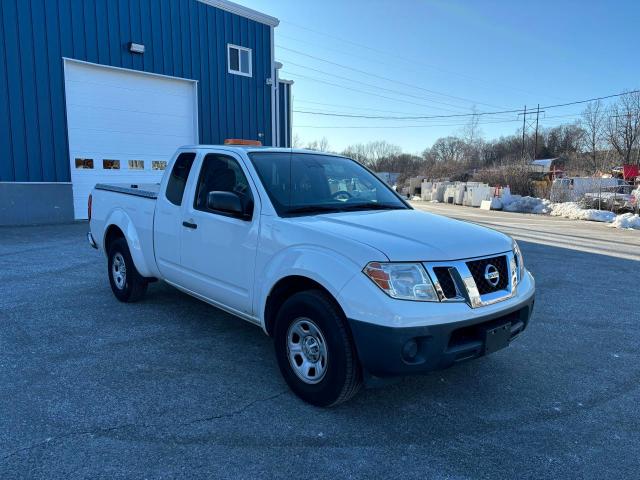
(171, 387)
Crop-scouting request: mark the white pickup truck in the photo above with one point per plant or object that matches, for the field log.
(350, 281)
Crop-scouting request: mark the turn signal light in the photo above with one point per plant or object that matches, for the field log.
(239, 141)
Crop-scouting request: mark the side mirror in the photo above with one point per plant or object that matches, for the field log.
(225, 202)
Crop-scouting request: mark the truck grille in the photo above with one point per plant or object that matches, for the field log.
(478, 270)
(447, 284)
(475, 281)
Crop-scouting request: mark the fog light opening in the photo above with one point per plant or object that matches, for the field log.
(410, 350)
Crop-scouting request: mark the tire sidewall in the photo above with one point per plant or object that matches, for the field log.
(309, 305)
(120, 246)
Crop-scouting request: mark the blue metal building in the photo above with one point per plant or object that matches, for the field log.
(95, 90)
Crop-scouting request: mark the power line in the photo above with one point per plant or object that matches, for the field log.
(591, 99)
(364, 72)
(357, 90)
(397, 92)
(396, 57)
(414, 117)
(330, 113)
(424, 117)
(484, 122)
(402, 126)
(339, 105)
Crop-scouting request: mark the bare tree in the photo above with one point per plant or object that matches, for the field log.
(471, 132)
(623, 127)
(372, 154)
(321, 145)
(379, 150)
(297, 141)
(358, 152)
(448, 149)
(593, 124)
(472, 136)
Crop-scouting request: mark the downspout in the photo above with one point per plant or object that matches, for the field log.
(274, 89)
(278, 126)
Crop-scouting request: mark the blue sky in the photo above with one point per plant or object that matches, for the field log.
(443, 57)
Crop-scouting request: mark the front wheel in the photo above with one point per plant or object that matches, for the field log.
(314, 350)
(126, 283)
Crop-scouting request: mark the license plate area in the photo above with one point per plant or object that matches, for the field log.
(497, 338)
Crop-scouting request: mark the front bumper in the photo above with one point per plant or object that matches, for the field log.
(390, 351)
(404, 344)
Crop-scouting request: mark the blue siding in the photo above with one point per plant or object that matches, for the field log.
(6, 153)
(183, 38)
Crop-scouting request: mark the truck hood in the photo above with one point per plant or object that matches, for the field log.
(411, 235)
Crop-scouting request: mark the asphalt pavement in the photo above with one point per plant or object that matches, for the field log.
(173, 388)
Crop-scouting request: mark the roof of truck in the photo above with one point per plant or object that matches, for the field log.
(253, 148)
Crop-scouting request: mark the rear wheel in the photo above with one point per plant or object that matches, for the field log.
(314, 349)
(126, 283)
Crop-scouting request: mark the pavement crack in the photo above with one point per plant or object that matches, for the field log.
(233, 412)
(102, 430)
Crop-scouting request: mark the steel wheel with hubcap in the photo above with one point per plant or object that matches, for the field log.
(314, 349)
(307, 350)
(119, 270)
(126, 283)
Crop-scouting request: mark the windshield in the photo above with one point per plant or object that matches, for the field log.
(299, 183)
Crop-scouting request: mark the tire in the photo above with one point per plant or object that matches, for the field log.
(127, 284)
(316, 329)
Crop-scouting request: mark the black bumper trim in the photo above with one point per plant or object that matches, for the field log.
(384, 351)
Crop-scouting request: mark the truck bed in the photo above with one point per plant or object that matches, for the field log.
(147, 190)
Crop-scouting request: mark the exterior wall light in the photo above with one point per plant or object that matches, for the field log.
(136, 47)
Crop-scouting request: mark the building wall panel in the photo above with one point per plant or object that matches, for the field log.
(6, 166)
(183, 38)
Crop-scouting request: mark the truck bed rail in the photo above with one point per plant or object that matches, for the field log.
(145, 191)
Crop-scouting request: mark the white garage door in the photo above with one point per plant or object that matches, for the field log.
(124, 125)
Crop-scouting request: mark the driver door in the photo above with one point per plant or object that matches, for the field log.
(218, 249)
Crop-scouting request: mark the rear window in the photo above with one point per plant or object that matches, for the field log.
(179, 175)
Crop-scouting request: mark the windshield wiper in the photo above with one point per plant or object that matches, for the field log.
(314, 209)
(372, 206)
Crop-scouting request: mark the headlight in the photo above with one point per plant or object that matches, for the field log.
(517, 254)
(405, 281)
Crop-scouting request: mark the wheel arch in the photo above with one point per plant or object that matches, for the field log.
(111, 234)
(120, 225)
(283, 289)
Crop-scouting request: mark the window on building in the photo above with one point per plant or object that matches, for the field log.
(179, 175)
(158, 165)
(84, 163)
(110, 164)
(136, 164)
(239, 60)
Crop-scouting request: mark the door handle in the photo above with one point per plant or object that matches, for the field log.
(189, 225)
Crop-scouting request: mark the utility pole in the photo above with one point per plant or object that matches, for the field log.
(535, 148)
(524, 119)
(528, 126)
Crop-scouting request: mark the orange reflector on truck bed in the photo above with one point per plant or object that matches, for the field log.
(239, 141)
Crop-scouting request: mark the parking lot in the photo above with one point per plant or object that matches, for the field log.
(171, 387)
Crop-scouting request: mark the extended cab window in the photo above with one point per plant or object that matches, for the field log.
(179, 175)
(220, 173)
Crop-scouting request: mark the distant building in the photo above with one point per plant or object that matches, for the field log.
(551, 167)
(390, 178)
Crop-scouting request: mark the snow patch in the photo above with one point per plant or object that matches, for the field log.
(573, 211)
(626, 220)
(526, 205)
